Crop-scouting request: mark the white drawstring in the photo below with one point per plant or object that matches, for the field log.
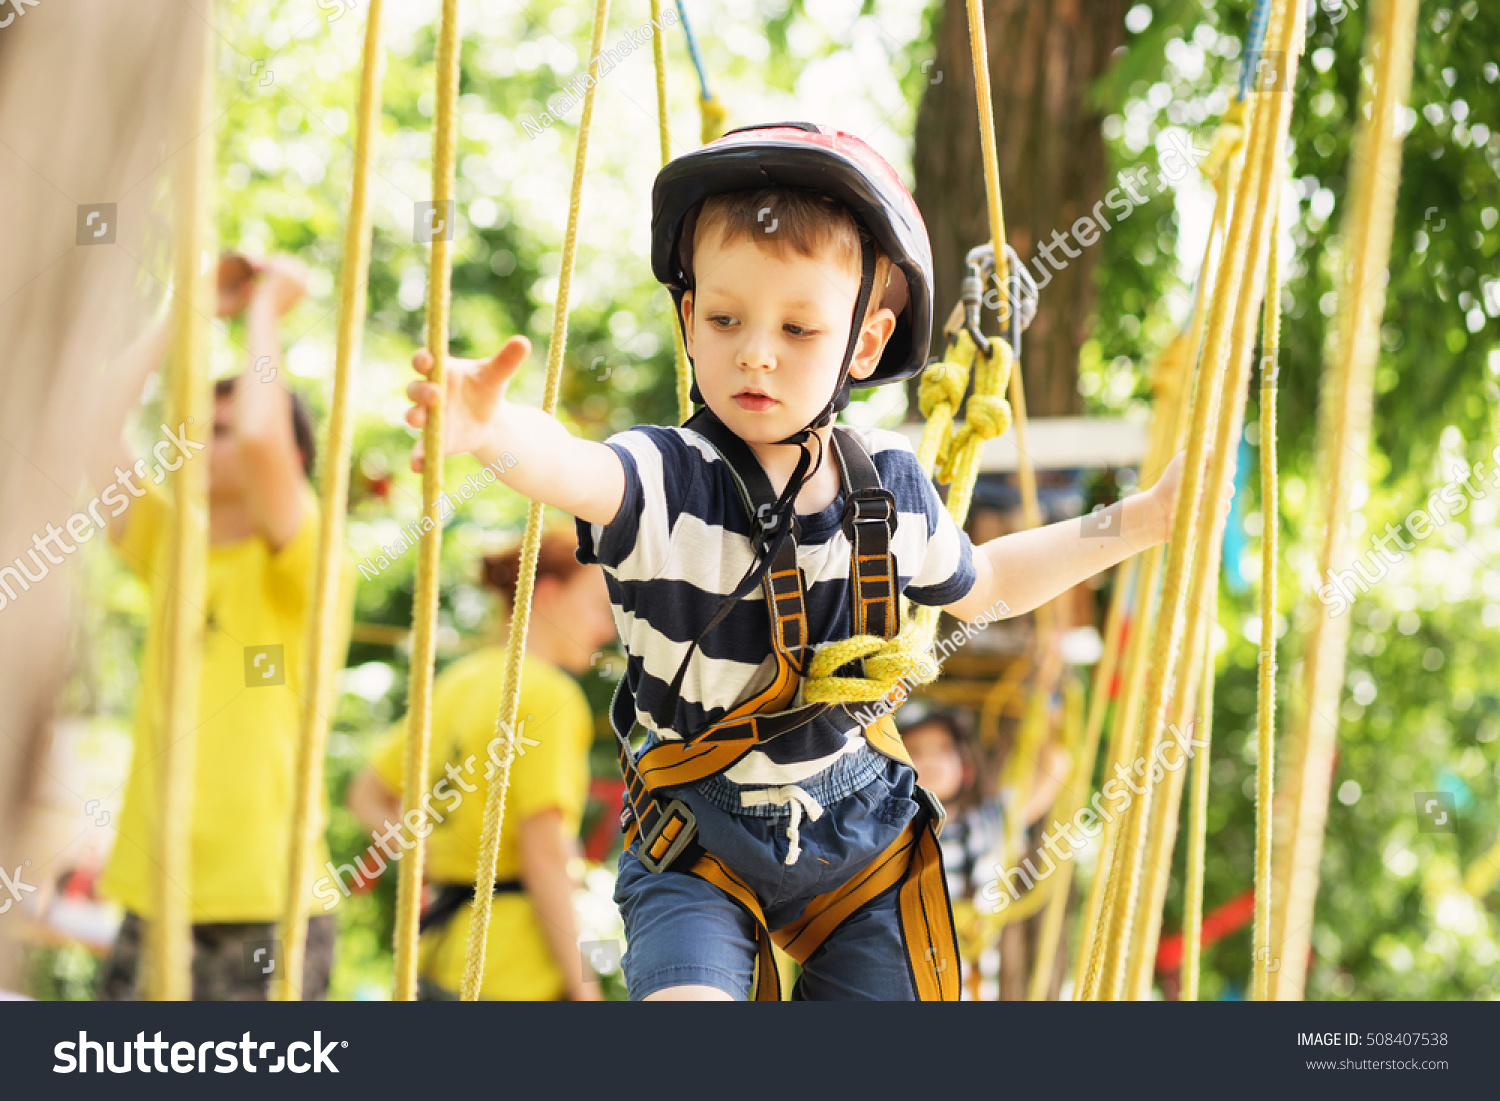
(799, 800)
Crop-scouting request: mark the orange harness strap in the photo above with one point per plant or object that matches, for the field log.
(912, 860)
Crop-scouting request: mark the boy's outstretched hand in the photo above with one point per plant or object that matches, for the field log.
(1164, 492)
(475, 391)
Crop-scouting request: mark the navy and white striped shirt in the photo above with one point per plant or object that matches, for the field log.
(681, 541)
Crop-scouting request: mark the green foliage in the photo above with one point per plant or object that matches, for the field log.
(1392, 920)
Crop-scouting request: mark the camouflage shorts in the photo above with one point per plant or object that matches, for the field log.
(232, 961)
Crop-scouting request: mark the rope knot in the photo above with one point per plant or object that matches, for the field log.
(942, 384)
(987, 416)
(1227, 141)
(899, 663)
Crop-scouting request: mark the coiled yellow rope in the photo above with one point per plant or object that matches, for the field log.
(429, 550)
(494, 810)
(169, 944)
(1343, 428)
(334, 492)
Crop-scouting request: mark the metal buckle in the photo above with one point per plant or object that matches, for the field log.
(767, 523)
(934, 807)
(855, 512)
(675, 809)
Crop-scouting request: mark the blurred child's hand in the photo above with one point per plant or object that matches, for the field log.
(236, 281)
(475, 391)
(282, 282)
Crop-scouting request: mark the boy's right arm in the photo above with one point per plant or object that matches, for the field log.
(530, 450)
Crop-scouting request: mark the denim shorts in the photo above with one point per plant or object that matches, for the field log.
(682, 929)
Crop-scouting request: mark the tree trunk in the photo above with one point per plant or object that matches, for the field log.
(1043, 55)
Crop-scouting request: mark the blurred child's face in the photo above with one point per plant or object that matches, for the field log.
(939, 767)
(225, 469)
(767, 334)
(580, 606)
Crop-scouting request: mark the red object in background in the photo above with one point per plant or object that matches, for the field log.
(611, 793)
(1218, 924)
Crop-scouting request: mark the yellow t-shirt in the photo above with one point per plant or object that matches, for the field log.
(244, 777)
(551, 769)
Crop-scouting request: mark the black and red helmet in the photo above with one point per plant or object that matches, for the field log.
(806, 155)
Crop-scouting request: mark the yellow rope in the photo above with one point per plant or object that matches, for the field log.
(1192, 906)
(712, 115)
(1197, 809)
(1172, 381)
(1167, 807)
(494, 811)
(169, 947)
(429, 551)
(1197, 644)
(1266, 688)
(334, 492)
(1342, 434)
(1072, 798)
(1224, 372)
(664, 136)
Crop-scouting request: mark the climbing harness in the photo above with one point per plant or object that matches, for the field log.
(668, 831)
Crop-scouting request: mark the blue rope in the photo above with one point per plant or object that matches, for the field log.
(1255, 40)
(687, 30)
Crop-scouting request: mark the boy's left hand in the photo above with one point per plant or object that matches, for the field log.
(1164, 492)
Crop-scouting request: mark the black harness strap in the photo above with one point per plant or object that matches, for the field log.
(869, 521)
(452, 897)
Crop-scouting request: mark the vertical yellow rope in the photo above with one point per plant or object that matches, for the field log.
(1202, 602)
(1225, 368)
(429, 550)
(1266, 687)
(1077, 790)
(169, 957)
(664, 135)
(494, 810)
(334, 492)
(1192, 906)
(1177, 372)
(979, 55)
(1343, 429)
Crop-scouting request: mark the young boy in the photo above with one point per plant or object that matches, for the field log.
(801, 267)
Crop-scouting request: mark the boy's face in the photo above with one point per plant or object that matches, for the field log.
(767, 334)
